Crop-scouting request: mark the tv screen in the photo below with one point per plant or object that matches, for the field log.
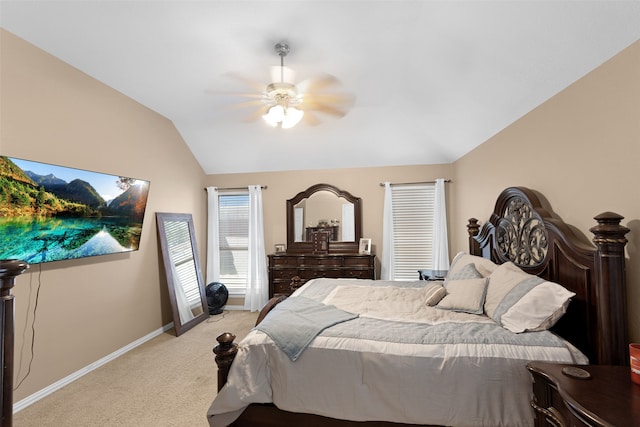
(52, 213)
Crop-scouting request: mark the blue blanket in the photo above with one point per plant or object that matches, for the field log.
(296, 321)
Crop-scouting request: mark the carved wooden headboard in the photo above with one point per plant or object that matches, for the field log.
(522, 229)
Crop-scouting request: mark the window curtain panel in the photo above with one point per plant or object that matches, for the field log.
(440, 242)
(257, 293)
(386, 260)
(213, 236)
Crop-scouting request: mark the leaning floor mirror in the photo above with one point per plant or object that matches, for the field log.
(182, 267)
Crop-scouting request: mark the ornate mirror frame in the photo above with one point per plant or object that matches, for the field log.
(334, 247)
(176, 235)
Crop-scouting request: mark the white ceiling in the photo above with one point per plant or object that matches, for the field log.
(432, 79)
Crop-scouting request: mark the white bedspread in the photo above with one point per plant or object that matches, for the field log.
(422, 367)
(394, 303)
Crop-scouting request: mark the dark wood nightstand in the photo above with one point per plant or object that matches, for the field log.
(606, 398)
(433, 275)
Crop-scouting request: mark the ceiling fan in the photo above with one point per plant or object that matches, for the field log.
(284, 104)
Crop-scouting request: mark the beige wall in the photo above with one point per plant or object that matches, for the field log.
(89, 308)
(360, 182)
(580, 149)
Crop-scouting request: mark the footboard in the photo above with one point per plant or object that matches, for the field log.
(226, 349)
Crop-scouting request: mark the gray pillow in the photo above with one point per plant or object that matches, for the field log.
(466, 295)
(468, 271)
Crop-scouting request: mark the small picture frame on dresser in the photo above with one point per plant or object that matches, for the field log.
(365, 246)
(280, 248)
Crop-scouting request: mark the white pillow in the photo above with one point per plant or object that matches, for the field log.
(465, 295)
(521, 302)
(434, 293)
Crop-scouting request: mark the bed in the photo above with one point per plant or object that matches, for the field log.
(458, 361)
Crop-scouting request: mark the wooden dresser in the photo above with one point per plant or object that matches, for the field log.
(607, 398)
(284, 267)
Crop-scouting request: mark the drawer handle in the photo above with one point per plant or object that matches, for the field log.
(553, 416)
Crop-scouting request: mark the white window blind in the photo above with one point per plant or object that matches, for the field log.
(234, 240)
(413, 216)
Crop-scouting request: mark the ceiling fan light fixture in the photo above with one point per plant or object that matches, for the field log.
(283, 117)
(281, 90)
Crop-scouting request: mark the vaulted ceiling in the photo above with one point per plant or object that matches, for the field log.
(431, 79)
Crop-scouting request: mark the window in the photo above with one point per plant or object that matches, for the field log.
(413, 218)
(233, 217)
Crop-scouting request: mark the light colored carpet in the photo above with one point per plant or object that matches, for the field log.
(167, 381)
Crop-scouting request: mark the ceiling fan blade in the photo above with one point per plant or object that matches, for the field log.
(343, 99)
(322, 108)
(255, 85)
(316, 84)
(253, 103)
(238, 94)
(310, 119)
(258, 113)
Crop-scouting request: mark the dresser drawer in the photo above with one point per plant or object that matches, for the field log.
(283, 273)
(358, 274)
(320, 262)
(283, 261)
(360, 261)
(319, 273)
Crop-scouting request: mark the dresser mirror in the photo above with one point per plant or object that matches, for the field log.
(324, 208)
(184, 277)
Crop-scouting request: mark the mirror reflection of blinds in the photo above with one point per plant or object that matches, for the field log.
(179, 245)
(413, 208)
(233, 216)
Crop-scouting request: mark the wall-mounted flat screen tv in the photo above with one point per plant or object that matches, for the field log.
(53, 213)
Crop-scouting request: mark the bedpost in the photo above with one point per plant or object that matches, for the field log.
(226, 349)
(225, 352)
(609, 238)
(473, 228)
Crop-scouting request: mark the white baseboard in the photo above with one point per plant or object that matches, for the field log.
(18, 406)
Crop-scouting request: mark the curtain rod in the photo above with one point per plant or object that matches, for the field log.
(264, 187)
(413, 183)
